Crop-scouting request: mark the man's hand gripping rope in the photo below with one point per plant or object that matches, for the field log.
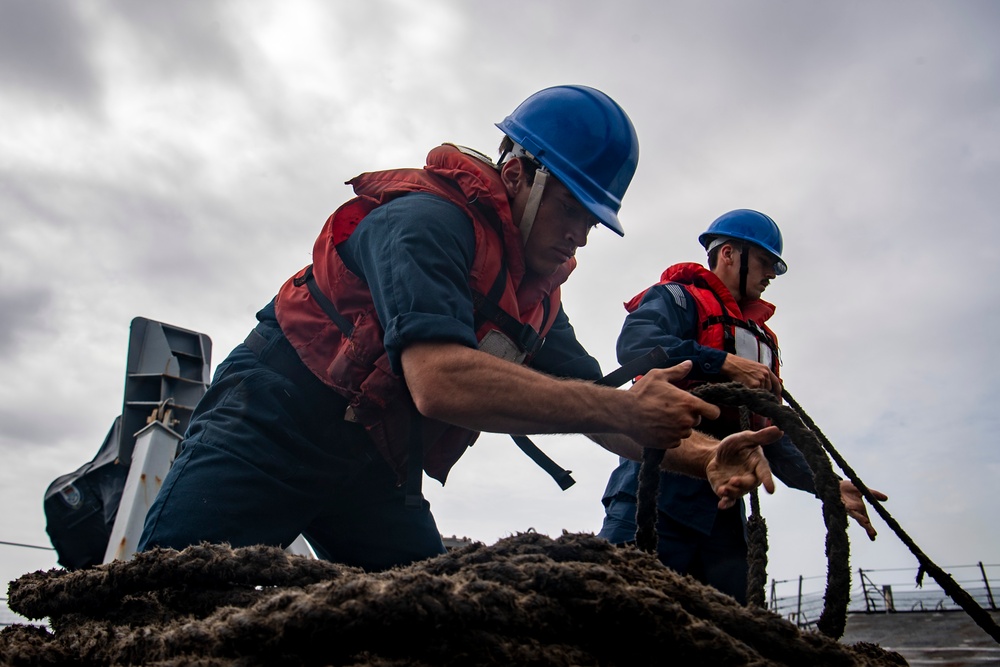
(734, 466)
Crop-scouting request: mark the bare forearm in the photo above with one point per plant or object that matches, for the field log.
(691, 457)
(619, 444)
(732, 466)
(472, 389)
(468, 388)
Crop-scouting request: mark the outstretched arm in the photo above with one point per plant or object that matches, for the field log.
(733, 466)
(469, 388)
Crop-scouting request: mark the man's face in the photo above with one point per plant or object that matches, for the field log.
(561, 225)
(761, 272)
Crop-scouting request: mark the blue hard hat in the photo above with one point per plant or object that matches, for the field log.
(747, 225)
(585, 140)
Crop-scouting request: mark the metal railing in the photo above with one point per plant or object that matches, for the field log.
(787, 599)
(8, 617)
(885, 591)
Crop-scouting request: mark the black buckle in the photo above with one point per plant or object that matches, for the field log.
(529, 340)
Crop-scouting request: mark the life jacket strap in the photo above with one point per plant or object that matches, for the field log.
(415, 463)
(655, 358)
(523, 335)
(309, 280)
(562, 476)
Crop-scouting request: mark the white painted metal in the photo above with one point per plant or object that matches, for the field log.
(155, 449)
(300, 547)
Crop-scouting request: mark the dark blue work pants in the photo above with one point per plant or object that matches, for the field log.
(718, 559)
(266, 458)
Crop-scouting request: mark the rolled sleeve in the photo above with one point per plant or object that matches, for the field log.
(415, 253)
(408, 328)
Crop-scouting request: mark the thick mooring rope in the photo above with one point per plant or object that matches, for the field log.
(833, 619)
(756, 554)
(944, 580)
(528, 599)
(813, 443)
(756, 540)
(645, 506)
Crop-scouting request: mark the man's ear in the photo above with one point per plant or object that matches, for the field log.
(512, 175)
(727, 252)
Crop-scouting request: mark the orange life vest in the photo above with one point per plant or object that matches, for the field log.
(507, 300)
(722, 324)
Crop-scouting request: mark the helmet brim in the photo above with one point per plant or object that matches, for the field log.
(604, 214)
(780, 268)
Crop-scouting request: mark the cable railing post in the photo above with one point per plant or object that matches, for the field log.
(989, 593)
(798, 608)
(864, 590)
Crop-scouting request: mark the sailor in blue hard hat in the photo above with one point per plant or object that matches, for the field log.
(418, 324)
(759, 240)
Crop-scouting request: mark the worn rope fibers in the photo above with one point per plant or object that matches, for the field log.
(833, 619)
(837, 549)
(944, 580)
(645, 507)
(756, 539)
(526, 600)
(756, 554)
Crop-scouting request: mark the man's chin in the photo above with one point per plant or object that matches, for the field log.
(543, 270)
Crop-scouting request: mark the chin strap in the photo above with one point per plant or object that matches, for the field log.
(744, 270)
(537, 188)
(531, 207)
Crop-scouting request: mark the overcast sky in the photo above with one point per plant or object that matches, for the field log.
(176, 160)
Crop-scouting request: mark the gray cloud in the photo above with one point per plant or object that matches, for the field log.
(869, 131)
(25, 308)
(46, 53)
(186, 38)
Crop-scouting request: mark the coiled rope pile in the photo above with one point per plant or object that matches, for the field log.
(814, 446)
(527, 600)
